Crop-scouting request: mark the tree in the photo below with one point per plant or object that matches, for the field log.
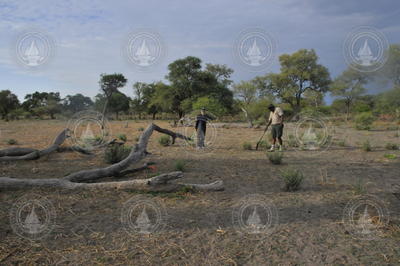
(8, 103)
(349, 86)
(300, 72)
(143, 101)
(109, 84)
(212, 105)
(77, 102)
(118, 102)
(246, 91)
(391, 70)
(43, 103)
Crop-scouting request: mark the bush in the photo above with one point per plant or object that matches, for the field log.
(390, 156)
(122, 137)
(180, 165)
(141, 129)
(264, 145)
(364, 121)
(116, 153)
(342, 143)
(275, 157)
(391, 146)
(366, 146)
(165, 140)
(292, 142)
(247, 146)
(292, 179)
(11, 142)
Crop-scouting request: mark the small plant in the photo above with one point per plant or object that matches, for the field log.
(12, 142)
(390, 156)
(164, 140)
(364, 121)
(122, 137)
(293, 179)
(180, 165)
(247, 146)
(292, 142)
(392, 146)
(366, 146)
(141, 129)
(136, 139)
(275, 157)
(116, 153)
(342, 143)
(264, 145)
(360, 187)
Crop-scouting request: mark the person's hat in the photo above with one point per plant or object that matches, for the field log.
(271, 106)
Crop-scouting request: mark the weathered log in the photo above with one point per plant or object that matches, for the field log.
(80, 179)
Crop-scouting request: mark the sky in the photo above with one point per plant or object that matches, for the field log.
(90, 36)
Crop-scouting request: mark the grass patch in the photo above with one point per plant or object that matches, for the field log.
(122, 137)
(293, 179)
(165, 140)
(180, 165)
(390, 156)
(275, 157)
(342, 143)
(247, 146)
(366, 146)
(11, 141)
(116, 153)
(391, 146)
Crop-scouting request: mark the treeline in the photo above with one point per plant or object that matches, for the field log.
(301, 84)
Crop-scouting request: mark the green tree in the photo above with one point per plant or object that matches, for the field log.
(77, 102)
(212, 105)
(109, 84)
(300, 72)
(8, 103)
(349, 86)
(118, 102)
(43, 103)
(391, 70)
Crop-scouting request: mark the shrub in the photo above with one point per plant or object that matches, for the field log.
(366, 146)
(164, 140)
(116, 153)
(390, 156)
(275, 157)
(264, 145)
(180, 165)
(11, 142)
(364, 121)
(342, 143)
(391, 146)
(292, 142)
(141, 129)
(122, 137)
(247, 146)
(292, 179)
(136, 139)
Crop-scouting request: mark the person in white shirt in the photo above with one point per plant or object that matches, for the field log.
(276, 121)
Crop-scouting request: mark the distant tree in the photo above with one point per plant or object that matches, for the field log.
(77, 102)
(300, 72)
(247, 93)
(349, 86)
(142, 102)
(391, 70)
(389, 102)
(212, 105)
(118, 103)
(8, 103)
(109, 84)
(43, 103)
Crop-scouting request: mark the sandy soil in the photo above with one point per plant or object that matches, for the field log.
(198, 228)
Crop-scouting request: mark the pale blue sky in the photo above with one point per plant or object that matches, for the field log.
(89, 35)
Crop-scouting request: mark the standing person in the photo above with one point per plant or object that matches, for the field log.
(201, 127)
(276, 121)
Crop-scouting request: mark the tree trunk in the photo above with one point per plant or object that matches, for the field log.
(79, 179)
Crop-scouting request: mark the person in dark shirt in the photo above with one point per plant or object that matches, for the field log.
(201, 127)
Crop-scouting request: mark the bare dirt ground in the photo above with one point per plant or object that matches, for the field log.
(199, 229)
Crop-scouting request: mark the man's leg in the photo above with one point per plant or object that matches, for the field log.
(273, 131)
(280, 133)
